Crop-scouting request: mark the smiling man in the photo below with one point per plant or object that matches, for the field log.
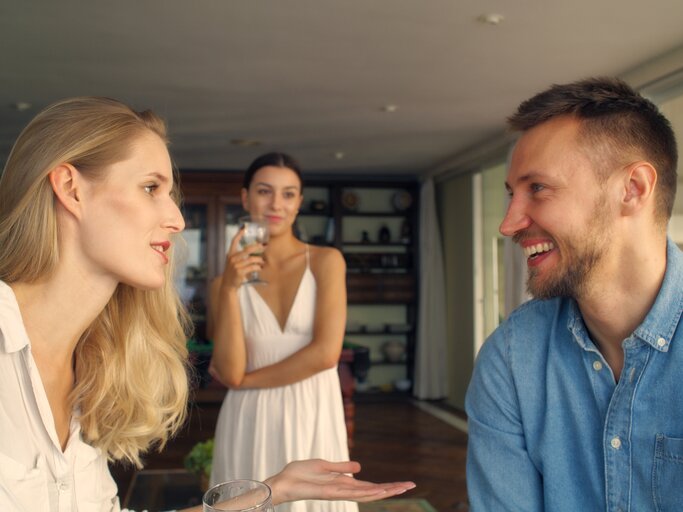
(574, 404)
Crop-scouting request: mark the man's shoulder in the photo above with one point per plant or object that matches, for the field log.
(536, 312)
(529, 328)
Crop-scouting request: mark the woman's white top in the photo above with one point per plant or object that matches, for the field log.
(35, 475)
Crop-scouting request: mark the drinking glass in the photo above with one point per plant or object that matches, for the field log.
(238, 496)
(255, 230)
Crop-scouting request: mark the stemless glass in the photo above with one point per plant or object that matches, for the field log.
(238, 496)
(255, 231)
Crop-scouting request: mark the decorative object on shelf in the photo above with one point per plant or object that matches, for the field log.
(198, 462)
(317, 206)
(405, 232)
(365, 237)
(329, 231)
(402, 384)
(350, 201)
(402, 200)
(393, 351)
(389, 260)
(384, 235)
(398, 328)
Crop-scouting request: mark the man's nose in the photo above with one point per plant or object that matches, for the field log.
(516, 218)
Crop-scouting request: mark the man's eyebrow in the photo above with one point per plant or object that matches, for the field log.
(531, 176)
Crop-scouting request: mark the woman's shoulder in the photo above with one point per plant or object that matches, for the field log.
(326, 259)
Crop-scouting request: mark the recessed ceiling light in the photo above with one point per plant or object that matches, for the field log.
(22, 105)
(338, 155)
(245, 142)
(491, 18)
(389, 108)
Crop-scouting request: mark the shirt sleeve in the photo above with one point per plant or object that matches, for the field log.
(500, 474)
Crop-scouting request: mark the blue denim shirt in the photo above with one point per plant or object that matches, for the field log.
(550, 429)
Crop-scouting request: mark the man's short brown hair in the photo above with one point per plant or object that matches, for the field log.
(618, 125)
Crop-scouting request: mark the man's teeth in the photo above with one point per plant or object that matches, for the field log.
(533, 250)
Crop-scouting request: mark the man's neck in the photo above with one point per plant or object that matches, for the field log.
(620, 296)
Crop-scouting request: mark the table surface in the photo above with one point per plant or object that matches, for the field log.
(163, 489)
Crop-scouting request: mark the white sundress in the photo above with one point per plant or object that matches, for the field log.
(260, 430)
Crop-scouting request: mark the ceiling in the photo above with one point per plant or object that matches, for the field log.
(314, 77)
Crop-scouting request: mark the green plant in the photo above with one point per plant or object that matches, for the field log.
(198, 461)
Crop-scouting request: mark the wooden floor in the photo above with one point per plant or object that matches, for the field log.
(394, 440)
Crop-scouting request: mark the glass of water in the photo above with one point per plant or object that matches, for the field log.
(238, 496)
(255, 231)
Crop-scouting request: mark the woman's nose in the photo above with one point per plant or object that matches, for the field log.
(175, 222)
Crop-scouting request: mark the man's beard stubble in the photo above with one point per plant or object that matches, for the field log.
(582, 257)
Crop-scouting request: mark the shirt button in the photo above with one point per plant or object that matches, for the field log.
(63, 486)
(661, 342)
(615, 442)
(597, 366)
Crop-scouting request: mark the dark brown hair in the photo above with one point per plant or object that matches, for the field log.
(274, 159)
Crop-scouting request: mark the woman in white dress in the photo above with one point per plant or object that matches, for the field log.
(93, 337)
(277, 346)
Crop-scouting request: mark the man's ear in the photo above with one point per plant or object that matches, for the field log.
(65, 180)
(639, 187)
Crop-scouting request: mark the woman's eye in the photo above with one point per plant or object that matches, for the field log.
(151, 188)
(263, 191)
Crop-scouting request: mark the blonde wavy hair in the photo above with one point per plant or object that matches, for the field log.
(131, 364)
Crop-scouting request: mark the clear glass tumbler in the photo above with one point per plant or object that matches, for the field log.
(238, 496)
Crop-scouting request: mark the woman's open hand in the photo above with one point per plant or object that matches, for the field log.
(318, 479)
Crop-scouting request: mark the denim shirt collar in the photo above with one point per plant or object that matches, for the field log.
(661, 322)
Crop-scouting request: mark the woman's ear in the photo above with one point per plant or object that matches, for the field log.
(65, 181)
(639, 187)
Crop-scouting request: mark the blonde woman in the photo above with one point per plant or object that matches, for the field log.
(277, 346)
(92, 335)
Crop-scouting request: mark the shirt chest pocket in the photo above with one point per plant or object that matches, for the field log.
(23, 488)
(667, 474)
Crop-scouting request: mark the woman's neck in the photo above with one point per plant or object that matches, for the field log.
(282, 247)
(57, 311)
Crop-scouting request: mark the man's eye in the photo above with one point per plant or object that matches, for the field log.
(151, 188)
(536, 187)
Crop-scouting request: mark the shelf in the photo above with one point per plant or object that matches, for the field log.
(376, 244)
(376, 214)
(382, 362)
(315, 214)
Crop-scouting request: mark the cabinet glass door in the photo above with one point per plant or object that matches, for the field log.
(193, 270)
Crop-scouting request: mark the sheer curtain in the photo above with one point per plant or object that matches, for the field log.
(431, 377)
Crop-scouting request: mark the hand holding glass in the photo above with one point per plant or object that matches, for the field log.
(255, 230)
(238, 496)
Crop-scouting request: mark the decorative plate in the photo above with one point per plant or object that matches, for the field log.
(350, 201)
(402, 200)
